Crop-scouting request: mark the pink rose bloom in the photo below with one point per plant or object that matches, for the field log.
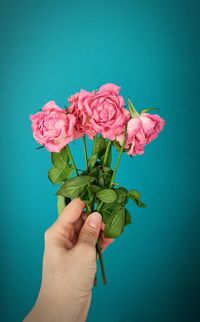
(141, 130)
(104, 110)
(152, 125)
(52, 127)
(82, 125)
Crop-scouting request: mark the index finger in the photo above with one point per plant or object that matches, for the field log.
(71, 213)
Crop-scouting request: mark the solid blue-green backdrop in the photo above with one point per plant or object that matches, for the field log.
(51, 49)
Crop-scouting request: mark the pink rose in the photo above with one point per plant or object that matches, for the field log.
(52, 127)
(141, 130)
(104, 111)
(152, 125)
(82, 125)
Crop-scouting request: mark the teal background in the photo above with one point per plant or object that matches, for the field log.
(49, 50)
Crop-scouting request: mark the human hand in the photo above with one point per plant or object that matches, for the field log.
(69, 266)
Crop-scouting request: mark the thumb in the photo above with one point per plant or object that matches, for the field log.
(90, 231)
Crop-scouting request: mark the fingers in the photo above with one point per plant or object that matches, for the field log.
(78, 225)
(71, 213)
(90, 230)
(103, 241)
(73, 227)
(62, 232)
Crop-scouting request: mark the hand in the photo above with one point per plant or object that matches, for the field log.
(69, 266)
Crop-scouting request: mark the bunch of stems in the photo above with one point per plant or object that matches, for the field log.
(89, 210)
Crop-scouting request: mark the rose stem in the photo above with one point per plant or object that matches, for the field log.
(117, 162)
(97, 244)
(72, 160)
(105, 160)
(89, 210)
(99, 252)
(101, 204)
(98, 248)
(85, 152)
(115, 169)
(94, 145)
(95, 280)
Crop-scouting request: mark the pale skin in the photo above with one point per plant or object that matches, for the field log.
(69, 267)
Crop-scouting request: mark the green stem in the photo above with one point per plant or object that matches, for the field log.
(72, 160)
(85, 152)
(90, 209)
(117, 162)
(95, 280)
(105, 160)
(115, 170)
(94, 145)
(100, 205)
(101, 263)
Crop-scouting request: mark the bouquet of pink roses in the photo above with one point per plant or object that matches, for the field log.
(102, 117)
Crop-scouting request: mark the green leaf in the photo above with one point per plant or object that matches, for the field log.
(118, 146)
(127, 218)
(87, 197)
(95, 172)
(134, 195)
(59, 175)
(107, 170)
(132, 109)
(122, 195)
(92, 160)
(74, 186)
(95, 188)
(100, 147)
(100, 178)
(107, 210)
(60, 204)
(60, 159)
(141, 204)
(104, 178)
(115, 223)
(146, 110)
(106, 195)
(109, 161)
(106, 157)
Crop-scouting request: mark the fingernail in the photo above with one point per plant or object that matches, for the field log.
(94, 220)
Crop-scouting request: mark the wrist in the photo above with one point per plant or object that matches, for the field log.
(51, 309)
